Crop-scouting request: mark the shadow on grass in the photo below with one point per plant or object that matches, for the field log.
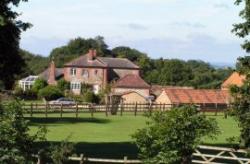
(50, 120)
(115, 150)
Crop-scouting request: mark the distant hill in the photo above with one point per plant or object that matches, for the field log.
(223, 65)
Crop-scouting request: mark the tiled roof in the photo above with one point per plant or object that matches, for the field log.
(197, 96)
(45, 74)
(157, 89)
(234, 79)
(117, 62)
(131, 81)
(83, 61)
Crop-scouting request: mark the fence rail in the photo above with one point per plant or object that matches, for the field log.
(219, 155)
(119, 109)
(202, 155)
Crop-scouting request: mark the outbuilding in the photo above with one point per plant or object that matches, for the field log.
(206, 98)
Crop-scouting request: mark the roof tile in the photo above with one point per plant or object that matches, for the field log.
(234, 79)
(131, 81)
(197, 96)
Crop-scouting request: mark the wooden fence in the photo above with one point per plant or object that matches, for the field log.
(219, 155)
(119, 109)
(202, 155)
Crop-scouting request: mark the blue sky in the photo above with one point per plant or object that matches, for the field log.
(185, 29)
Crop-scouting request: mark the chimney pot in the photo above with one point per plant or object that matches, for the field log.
(91, 54)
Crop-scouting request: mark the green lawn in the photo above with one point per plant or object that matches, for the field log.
(86, 129)
(108, 137)
(110, 129)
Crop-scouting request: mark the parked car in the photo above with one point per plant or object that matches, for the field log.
(63, 101)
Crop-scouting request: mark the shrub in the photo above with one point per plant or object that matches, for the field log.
(63, 85)
(27, 95)
(171, 137)
(85, 88)
(50, 93)
(39, 84)
(89, 96)
(115, 104)
(61, 152)
(1, 85)
(17, 145)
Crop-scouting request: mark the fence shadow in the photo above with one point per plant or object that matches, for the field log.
(116, 150)
(50, 120)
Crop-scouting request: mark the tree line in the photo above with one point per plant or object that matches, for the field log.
(174, 72)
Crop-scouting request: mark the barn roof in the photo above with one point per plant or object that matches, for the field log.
(197, 96)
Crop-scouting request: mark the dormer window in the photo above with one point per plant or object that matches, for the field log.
(85, 73)
(73, 71)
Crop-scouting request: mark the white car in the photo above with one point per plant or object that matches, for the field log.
(63, 101)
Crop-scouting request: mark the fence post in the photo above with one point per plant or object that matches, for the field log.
(31, 109)
(150, 109)
(203, 108)
(46, 110)
(61, 110)
(121, 108)
(39, 161)
(106, 110)
(76, 110)
(216, 109)
(92, 110)
(125, 159)
(82, 159)
(226, 111)
(135, 108)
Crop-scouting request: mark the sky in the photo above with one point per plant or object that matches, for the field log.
(183, 29)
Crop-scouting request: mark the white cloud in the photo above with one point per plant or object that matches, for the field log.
(135, 23)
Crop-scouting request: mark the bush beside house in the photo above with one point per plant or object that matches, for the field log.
(50, 92)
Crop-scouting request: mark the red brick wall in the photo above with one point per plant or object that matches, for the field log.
(92, 78)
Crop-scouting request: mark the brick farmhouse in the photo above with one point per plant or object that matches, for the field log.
(98, 72)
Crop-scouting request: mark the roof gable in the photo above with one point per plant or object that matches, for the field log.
(131, 81)
(234, 79)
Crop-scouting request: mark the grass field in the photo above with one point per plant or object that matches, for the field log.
(107, 136)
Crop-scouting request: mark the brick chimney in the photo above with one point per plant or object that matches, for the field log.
(91, 54)
(52, 74)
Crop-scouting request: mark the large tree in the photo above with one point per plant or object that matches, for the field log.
(77, 47)
(241, 104)
(10, 30)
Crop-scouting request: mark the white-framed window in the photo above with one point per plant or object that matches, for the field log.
(96, 88)
(75, 85)
(72, 71)
(85, 73)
